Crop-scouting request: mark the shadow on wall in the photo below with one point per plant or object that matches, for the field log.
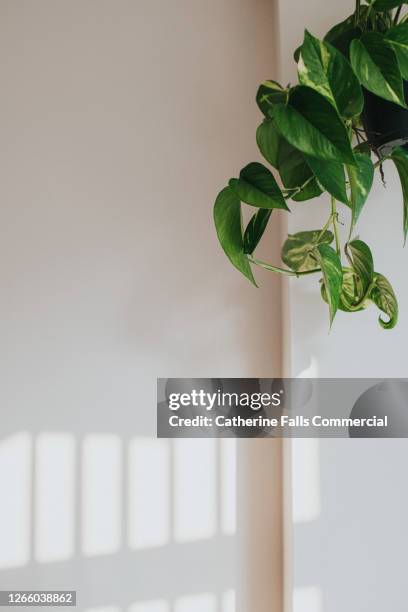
(134, 524)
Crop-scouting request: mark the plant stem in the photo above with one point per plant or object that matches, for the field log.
(285, 271)
(326, 225)
(334, 217)
(381, 161)
(267, 266)
(297, 190)
(309, 272)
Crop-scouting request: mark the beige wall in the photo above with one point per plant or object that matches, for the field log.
(120, 121)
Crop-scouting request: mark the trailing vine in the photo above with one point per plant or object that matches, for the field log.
(322, 135)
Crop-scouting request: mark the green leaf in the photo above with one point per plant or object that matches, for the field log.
(294, 172)
(228, 223)
(298, 251)
(386, 5)
(331, 177)
(397, 37)
(255, 230)
(376, 66)
(357, 280)
(269, 94)
(381, 294)
(363, 148)
(296, 53)
(363, 264)
(332, 276)
(342, 34)
(311, 124)
(326, 70)
(400, 158)
(351, 297)
(257, 186)
(268, 139)
(384, 297)
(361, 180)
(290, 162)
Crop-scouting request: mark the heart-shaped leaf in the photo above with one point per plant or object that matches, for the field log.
(362, 261)
(358, 279)
(384, 297)
(290, 162)
(257, 186)
(331, 177)
(361, 180)
(255, 230)
(400, 158)
(228, 223)
(326, 70)
(397, 37)
(376, 66)
(269, 94)
(295, 172)
(342, 34)
(298, 251)
(351, 297)
(267, 138)
(311, 124)
(332, 276)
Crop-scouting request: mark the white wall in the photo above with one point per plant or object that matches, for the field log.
(356, 346)
(120, 121)
(350, 499)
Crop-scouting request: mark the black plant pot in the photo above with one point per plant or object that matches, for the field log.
(385, 123)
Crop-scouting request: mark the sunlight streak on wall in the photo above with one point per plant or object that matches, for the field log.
(307, 599)
(15, 506)
(101, 494)
(305, 480)
(54, 496)
(157, 605)
(205, 602)
(228, 601)
(149, 492)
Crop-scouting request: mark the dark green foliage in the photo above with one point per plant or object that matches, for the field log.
(312, 137)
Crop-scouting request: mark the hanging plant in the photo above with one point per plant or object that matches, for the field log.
(329, 133)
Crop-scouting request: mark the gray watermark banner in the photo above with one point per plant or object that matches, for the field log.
(37, 598)
(282, 408)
